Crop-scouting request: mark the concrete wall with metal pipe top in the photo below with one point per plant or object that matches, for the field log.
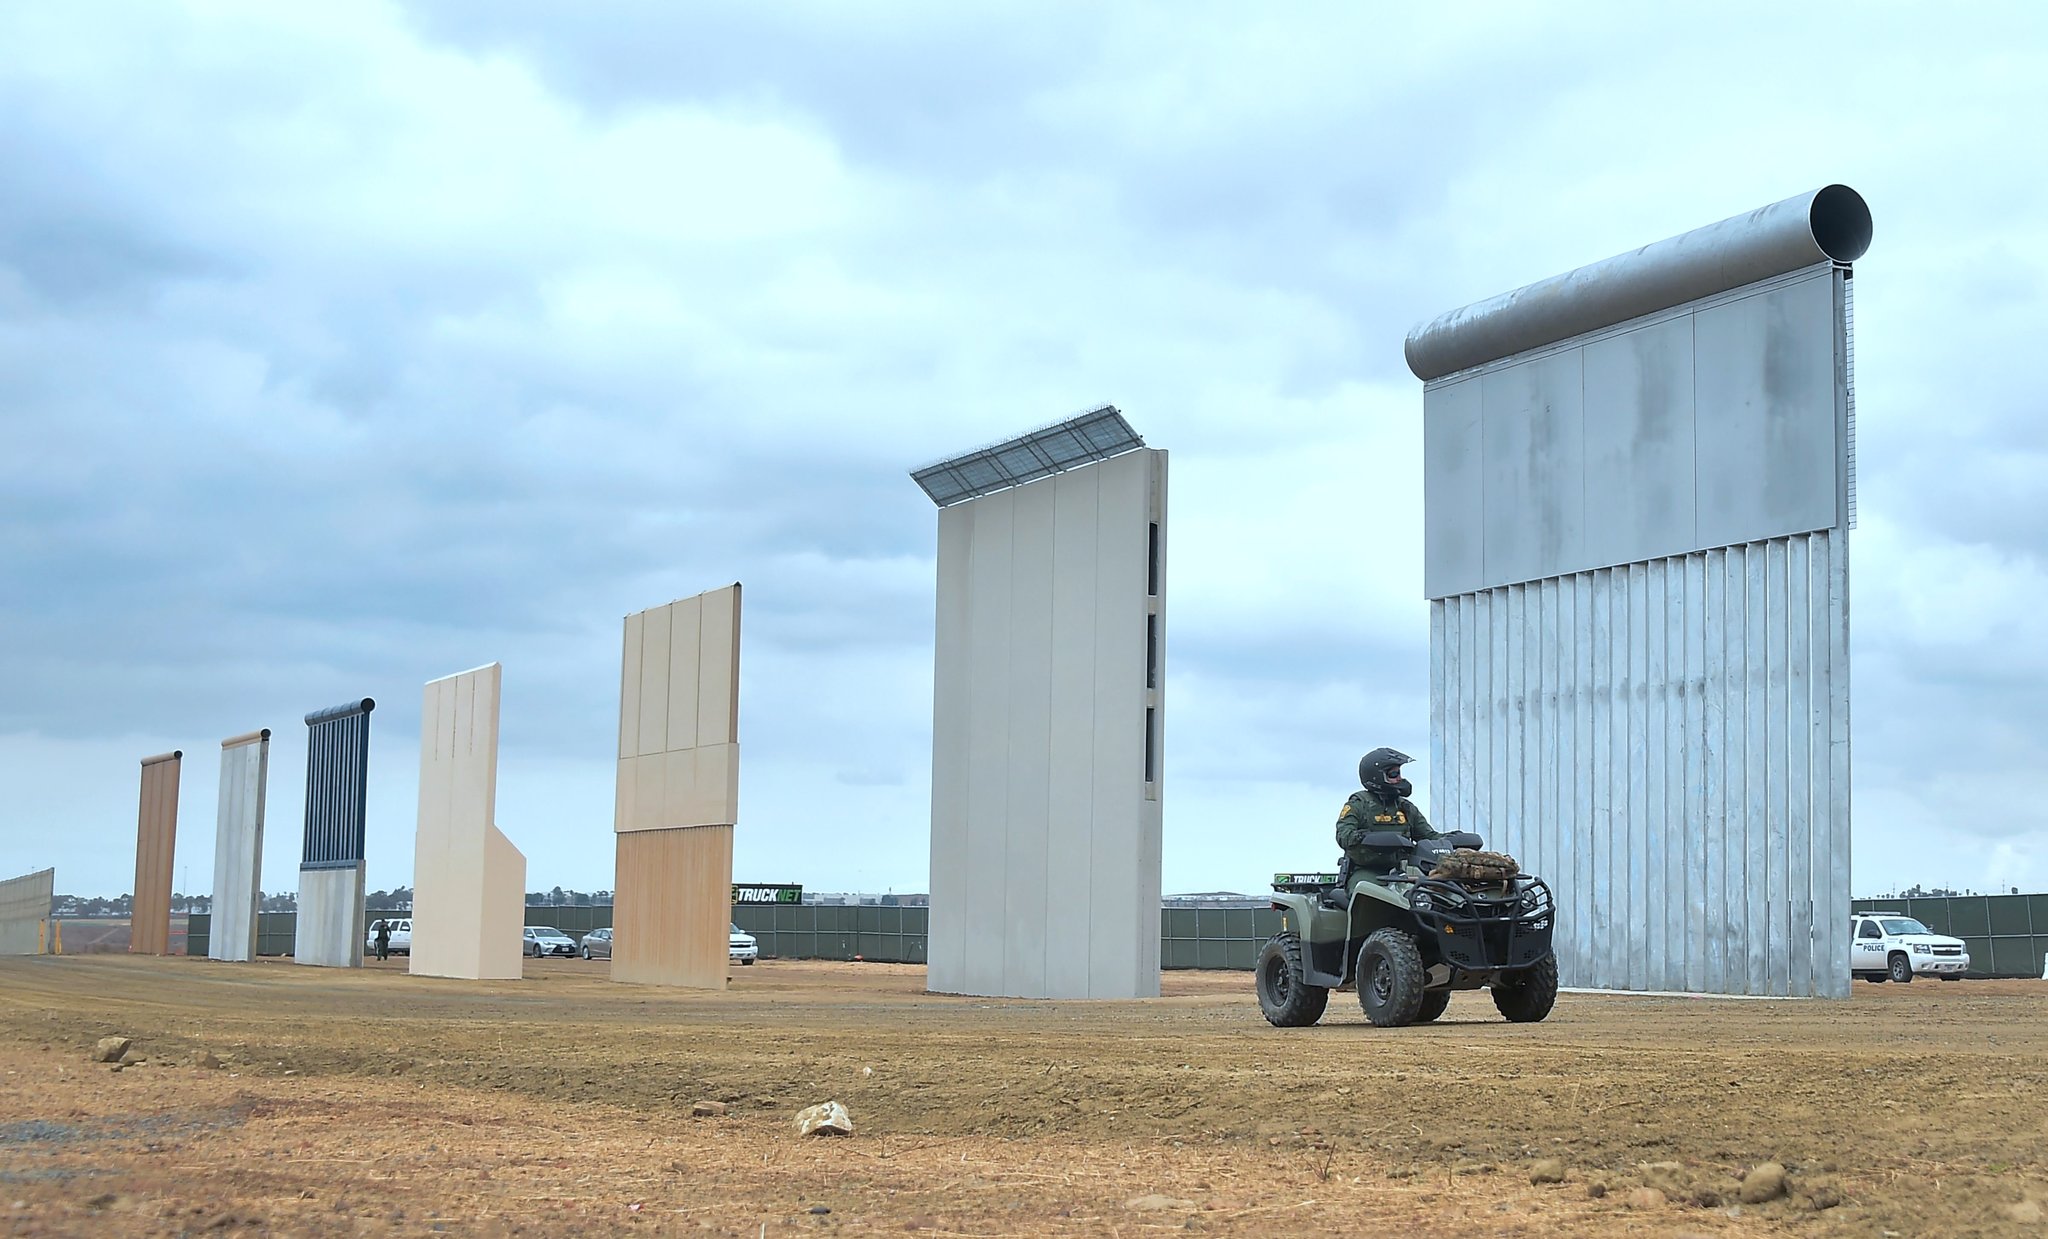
(1827, 224)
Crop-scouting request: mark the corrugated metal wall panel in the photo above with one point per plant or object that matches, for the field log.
(337, 775)
(1666, 742)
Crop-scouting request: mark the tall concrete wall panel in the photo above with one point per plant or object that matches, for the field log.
(25, 912)
(330, 924)
(1667, 743)
(1047, 735)
(469, 882)
(156, 844)
(677, 797)
(238, 846)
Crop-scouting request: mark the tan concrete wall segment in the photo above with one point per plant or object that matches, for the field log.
(672, 907)
(24, 907)
(678, 775)
(238, 846)
(156, 843)
(469, 881)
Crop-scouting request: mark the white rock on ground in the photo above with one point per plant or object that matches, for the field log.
(825, 1119)
(110, 1049)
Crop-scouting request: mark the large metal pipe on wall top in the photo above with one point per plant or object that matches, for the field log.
(1827, 224)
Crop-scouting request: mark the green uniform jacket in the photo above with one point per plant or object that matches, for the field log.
(1365, 813)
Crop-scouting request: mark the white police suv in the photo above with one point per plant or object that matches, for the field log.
(1889, 946)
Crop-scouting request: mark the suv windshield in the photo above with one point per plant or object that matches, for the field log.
(1904, 925)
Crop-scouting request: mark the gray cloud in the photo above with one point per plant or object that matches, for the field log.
(342, 350)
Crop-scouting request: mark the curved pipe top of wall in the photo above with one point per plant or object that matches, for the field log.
(1830, 223)
(331, 713)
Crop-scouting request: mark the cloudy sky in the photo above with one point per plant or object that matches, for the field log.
(347, 346)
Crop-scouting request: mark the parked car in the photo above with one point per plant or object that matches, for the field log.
(401, 934)
(1889, 946)
(597, 944)
(547, 940)
(741, 948)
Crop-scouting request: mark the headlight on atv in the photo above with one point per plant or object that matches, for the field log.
(1421, 902)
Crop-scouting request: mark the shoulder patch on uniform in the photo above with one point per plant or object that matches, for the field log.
(1346, 811)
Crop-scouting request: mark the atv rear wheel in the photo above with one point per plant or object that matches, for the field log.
(1286, 998)
(1390, 978)
(1527, 996)
(1433, 1004)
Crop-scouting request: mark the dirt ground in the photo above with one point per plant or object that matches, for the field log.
(372, 1102)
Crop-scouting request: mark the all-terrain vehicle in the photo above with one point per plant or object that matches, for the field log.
(1406, 941)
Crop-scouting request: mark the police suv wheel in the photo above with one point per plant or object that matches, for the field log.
(1901, 969)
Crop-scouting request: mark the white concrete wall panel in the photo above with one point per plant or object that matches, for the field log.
(679, 761)
(1667, 744)
(1045, 830)
(329, 928)
(238, 846)
(25, 910)
(946, 940)
(469, 882)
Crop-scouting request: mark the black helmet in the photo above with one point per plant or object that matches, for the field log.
(1379, 772)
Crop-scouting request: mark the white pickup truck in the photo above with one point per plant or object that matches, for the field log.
(1890, 946)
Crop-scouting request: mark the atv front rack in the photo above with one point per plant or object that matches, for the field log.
(1483, 927)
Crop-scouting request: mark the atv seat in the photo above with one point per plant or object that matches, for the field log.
(1339, 896)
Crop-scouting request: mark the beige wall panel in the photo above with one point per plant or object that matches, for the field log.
(156, 841)
(673, 906)
(629, 688)
(678, 779)
(24, 907)
(654, 638)
(718, 668)
(685, 649)
(468, 879)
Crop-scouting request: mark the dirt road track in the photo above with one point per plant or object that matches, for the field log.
(374, 1102)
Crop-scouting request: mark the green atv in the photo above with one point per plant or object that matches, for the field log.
(1406, 941)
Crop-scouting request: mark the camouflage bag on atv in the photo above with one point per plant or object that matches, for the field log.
(1465, 865)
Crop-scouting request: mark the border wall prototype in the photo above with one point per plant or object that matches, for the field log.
(469, 882)
(25, 912)
(1639, 482)
(330, 924)
(238, 846)
(678, 791)
(156, 846)
(1048, 715)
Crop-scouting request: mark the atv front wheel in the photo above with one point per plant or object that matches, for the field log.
(1390, 978)
(1529, 994)
(1285, 997)
(1287, 1000)
(1433, 1004)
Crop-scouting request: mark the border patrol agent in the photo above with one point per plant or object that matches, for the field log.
(1383, 805)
